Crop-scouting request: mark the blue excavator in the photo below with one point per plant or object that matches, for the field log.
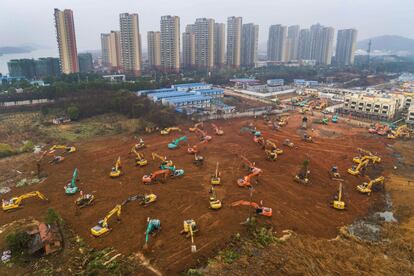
(71, 188)
(175, 144)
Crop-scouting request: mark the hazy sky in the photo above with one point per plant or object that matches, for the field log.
(31, 21)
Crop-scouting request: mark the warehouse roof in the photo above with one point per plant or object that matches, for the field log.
(188, 98)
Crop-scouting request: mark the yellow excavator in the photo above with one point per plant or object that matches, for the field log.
(167, 130)
(338, 203)
(373, 158)
(401, 131)
(15, 202)
(197, 125)
(102, 227)
(273, 146)
(163, 159)
(69, 149)
(356, 170)
(139, 158)
(215, 179)
(190, 228)
(366, 188)
(215, 203)
(116, 170)
(271, 155)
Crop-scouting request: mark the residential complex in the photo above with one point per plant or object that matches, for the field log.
(130, 41)
(170, 43)
(345, 46)
(154, 49)
(234, 27)
(34, 69)
(188, 50)
(204, 42)
(321, 43)
(66, 39)
(111, 50)
(249, 45)
(292, 43)
(219, 44)
(276, 43)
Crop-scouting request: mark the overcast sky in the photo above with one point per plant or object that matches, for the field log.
(31, 21)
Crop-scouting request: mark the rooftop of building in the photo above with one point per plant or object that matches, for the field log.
(188, 98)
(169, 94)
(189, 85)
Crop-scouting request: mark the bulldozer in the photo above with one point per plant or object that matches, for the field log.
(153, 227)
(203, 135)
(196, 148)
(338, 203)
(176, 143)
(217, 130)
(116, 169)
(260, 210)
(215, 203)
(68, 149)
(366, 188)
(189, 229)
(139, 158)
(246, 181)
(288, 143)
(215, 179)
(84, 200)
(356, 170)
(153, 177)
(302, 175)
(199, 125)
(103, 227)
(71, 188)
(168, 130)
(15, 202)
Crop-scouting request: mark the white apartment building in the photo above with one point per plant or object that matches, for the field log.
(410, 116)
(371, 105)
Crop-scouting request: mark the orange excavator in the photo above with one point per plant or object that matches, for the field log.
(217, 130)
(202, 135)
(246, 181)
(153, 177)
(259, 139)
(196, 148)
(260, 210)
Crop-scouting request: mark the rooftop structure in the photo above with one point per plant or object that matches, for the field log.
(191, 86)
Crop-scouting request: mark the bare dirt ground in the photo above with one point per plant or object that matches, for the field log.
(303, 209)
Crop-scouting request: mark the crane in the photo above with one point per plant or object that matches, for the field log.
(163, 160)
(71, 188)
(139, 158)
(15, 202)
(203, 135)
(153, 227)
(197, 125)
(338, 203)
(245, 181)
(215, 179)
(102, 227)
(260, 210)
(190, 228)
(167, 130)
(116, 169)
(148, 179)
(196, 148)
(366, 188)
(356, 170)
(175, 144)
(217, 130)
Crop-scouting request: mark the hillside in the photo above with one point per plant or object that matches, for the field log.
(388, 43)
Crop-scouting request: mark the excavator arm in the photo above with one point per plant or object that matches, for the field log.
(16, 201)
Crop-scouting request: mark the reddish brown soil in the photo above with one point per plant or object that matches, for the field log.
(304, 209)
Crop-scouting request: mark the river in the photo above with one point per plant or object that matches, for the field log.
(52, 52)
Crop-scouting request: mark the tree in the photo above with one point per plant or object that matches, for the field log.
(18, 242)
(73, 112)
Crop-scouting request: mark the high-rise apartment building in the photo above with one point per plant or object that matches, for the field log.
(154, 49)
(170, 43)
(292, 42)
(111, 50)
(277, 43)
(130, 41)
(66, 39)
(188, 50)
(304, 45)
(345, 46)
(234, 26)
(321, 43)
(204, 42)
(249, 45)
(219, 44)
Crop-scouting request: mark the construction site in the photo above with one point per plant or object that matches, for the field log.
(206, 181)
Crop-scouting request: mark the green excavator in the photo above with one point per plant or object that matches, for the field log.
(71, 188)
(173, 170)
(175, 144)
(153, 227)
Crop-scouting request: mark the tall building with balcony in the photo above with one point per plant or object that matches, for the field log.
(188, 50)
(130, 41)
(234, 26)
(345, 46)
(321, 39)
(249, 45)
(219, 44)
(304, 45)
(111, 50)
(276, 43)
(66, 39)
(154, 49)
(292, 47)
(204, 42)
(170, 43)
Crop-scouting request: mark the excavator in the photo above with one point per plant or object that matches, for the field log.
(259, 140)
(102, 227)
(338, 203)
(68, 149)
(215, 203)
(217, 130)
(335, 118)
(167, 130)
(140, 144)
(288, 143)
(307, 138)
(139, 158)
(71, 188)
(334, 174)
(401, 131)
(215, 179)
(271, 155)
(302, 176)
(251, 130)
(246, 181)
(304, 122)
(203, 135)
(153, 227)
(260, 210)
(246, 163)
(366, 188)
(57, 159)
(356, 170)
(283, 121)
(199, 125)
(164, 160)
(176, 143)
(116, 170)
(196, 148)
(198, 160)
(84, 200)
(153, 177)
(15, 202)
(190, 228)
(144, 199)
(273, 146)
(373, 158)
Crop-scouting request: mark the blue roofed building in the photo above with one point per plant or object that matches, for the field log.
(191, 86)
(275, 82)
(214, 93)
(147, 92)
(191, 101)
(156, 97)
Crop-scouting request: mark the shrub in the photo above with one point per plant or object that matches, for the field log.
(18, 242)
(6, 150)
(73, 112)
(28, 146)
(229, 256)
(52, 217)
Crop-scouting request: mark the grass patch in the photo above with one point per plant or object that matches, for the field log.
(229, 255)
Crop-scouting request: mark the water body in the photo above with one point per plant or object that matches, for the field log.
(52, 52)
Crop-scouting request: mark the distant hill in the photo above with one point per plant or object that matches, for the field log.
(389, 43)
(16, 50)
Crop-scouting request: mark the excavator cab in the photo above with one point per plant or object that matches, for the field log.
(84, 200)
(288, 143)
(271, 155)
(189, 226)
(264, 211)
(102, 227)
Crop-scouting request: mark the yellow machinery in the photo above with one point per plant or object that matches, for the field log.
(198, 125)
(15, 202)
(338, 203)
(69, 149)
(401, 131)
(215, 203)
(271, 155)
(102, 227)
(356, 170)
(167, 130)
(84, 200)
(140, 144)
(190, 228)
(373, 158)
(366, 188)
(273, 146)
(288, 143)
(215, 179)
(139, 158)
(116, 170)
(164, 160)
(302, 176)
(217, 130)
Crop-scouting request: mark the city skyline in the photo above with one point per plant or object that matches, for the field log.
(338, 14)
